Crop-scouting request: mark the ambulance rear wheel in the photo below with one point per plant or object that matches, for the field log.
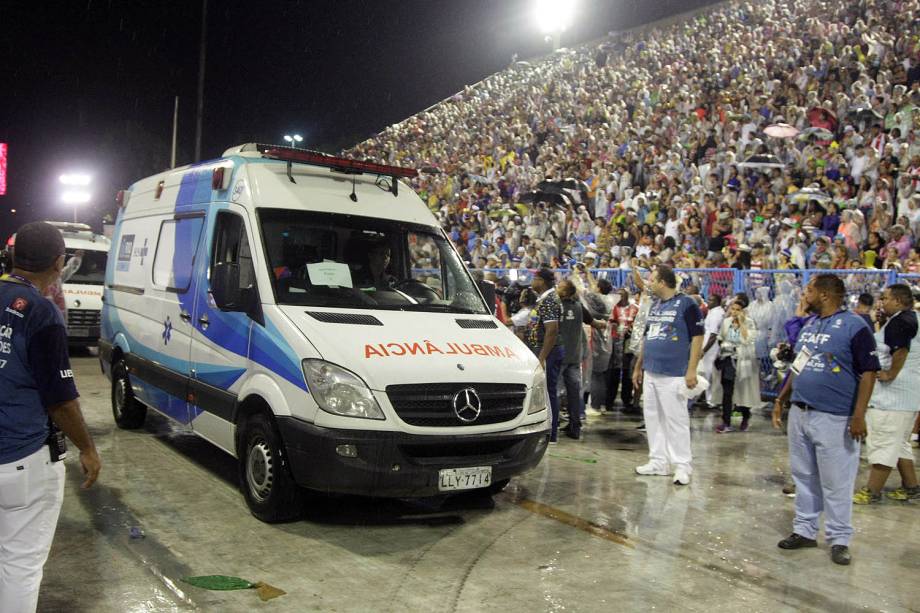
(128, 411)
(265, 478)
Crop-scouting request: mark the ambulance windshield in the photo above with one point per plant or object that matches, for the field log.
(328, 259)
(92, 268)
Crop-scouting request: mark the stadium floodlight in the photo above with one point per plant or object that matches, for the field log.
(76, 179)
(293, 139)
(75, 194)
(75, 197)
(554, 16)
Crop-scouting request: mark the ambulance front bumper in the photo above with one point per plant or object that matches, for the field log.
(396, 464)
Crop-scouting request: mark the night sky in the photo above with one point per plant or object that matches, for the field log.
(89, 85)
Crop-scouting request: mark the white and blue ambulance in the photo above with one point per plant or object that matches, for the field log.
(307, 315)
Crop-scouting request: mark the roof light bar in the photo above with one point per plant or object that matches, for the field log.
(316, 158)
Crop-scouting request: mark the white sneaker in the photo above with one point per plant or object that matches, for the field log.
(651, 469)
(592, 412)
(681, 477)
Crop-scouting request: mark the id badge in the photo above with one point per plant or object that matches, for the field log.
(801, 360)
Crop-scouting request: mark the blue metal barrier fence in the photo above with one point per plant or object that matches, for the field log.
(774, 295)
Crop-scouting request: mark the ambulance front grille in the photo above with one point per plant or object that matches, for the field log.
(431, 404)
(83, 317)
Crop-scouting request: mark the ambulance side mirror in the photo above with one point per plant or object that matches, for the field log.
(225, 286)
(488, 292)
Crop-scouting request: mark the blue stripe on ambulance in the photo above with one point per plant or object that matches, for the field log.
(266, 347)
(166, 403)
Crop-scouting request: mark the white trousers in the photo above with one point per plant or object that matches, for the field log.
(667, 422)
(31, 493)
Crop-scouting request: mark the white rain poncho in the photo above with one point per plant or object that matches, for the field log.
(762, 311)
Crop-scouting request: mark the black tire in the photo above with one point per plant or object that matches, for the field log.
(265, 477)
(128, 411)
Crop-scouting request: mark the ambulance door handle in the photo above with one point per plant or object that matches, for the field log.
(204, 321)
(185, 316)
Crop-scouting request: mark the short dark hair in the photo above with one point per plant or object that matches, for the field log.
(901, 292)
(716, 299)
(604, 286)
(832, 284)
(866, 299)
(528, 297)
(37, 246)
(742, 299)
(547, 275)
(666, 275)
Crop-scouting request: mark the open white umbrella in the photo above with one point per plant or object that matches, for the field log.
(819, 133)
(809, 193)
(781, 130)
(762, 161)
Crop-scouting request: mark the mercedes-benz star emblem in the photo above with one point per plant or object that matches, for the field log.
(467, 405)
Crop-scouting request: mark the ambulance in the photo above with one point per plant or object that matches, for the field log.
(83, 289)
(308, 315)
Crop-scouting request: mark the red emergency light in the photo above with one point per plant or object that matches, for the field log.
(316, 158)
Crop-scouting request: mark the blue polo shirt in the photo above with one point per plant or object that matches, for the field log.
(35, 370)
(842, 348)
(670, 327)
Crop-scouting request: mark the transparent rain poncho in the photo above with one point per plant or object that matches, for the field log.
(762, 311)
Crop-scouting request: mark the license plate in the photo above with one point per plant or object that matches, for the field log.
(451, 479)
(78, 332)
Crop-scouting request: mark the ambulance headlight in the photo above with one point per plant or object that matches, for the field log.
(539, 398)
(339, 391)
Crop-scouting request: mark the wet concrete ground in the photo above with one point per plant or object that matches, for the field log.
(581, 532)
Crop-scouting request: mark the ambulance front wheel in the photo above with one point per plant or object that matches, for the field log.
(129, 413)
(265, 478)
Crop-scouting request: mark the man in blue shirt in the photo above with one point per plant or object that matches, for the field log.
(667, 362)
(832, 379)
(36, 384)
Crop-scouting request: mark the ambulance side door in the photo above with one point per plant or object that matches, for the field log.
(220, 341)
(159, 362)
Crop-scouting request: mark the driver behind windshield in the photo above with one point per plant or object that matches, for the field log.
(378, 260)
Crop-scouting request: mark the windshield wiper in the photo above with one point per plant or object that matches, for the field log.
(447, 308)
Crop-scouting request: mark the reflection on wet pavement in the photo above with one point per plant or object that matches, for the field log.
(581, 532)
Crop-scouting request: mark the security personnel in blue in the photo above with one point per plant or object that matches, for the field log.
(38, 401)
(831, 381)
(666, 369)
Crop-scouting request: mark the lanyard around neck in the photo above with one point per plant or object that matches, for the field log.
(11, 278)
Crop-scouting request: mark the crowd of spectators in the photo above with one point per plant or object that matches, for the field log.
(654, 146)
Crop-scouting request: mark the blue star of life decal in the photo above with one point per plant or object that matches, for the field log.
(167, 331)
